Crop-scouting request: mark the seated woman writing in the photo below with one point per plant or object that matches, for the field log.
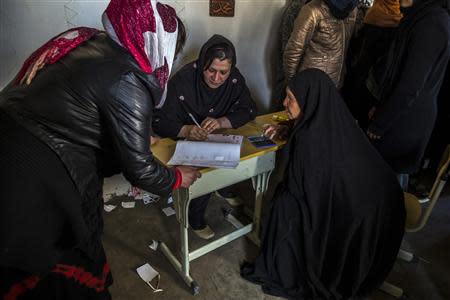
(212, 93)
(337, 219)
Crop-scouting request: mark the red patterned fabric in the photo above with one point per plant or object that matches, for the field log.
(148, 29)
(71, 272)
(130, 19)
(168, 17)
(55, 49)
(179, 179)
(22, 287)
(78, 274)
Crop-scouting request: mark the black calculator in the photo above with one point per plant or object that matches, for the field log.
(261, 141)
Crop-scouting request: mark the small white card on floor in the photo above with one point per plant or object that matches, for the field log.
(147, 273)
(149, 198)
(128, 204)
(168, 211)
(109, 207)
(153, 245)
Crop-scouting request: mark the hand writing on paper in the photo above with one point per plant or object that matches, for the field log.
(275, 131)
(189, 175)
(196, 133)
(211, 124)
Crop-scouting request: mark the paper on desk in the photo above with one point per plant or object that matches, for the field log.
(223, 154)
(225, 138)
(128, 204)
(168, 211)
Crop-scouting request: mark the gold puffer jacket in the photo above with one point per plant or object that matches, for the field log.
(319, 40)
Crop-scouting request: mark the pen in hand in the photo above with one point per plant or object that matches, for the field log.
(195, 121)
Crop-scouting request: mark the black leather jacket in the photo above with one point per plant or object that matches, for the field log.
(94, 109)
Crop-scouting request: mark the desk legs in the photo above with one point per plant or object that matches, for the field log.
(260, 185)
(181, 199)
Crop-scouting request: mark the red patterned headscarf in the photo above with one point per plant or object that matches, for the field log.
(148, 29)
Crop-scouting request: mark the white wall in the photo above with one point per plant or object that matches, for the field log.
(27, 24)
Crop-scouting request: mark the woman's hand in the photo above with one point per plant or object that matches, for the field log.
(188, 175)
(154, 140)
(373, 136)
(196, 133)
(276, 131)
(211, 124)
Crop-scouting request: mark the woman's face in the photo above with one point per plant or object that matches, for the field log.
(291, 105)
(217, 73)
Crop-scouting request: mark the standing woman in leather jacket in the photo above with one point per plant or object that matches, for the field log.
(320, 38)
(79, 110)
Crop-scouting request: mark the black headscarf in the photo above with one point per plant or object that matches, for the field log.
(340, 9)
(386, 71)
(204, 93)
(338, 216)
(188, 93)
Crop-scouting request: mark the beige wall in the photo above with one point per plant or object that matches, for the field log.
(25, 25)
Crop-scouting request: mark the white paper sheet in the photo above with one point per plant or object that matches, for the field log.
(168, 211)
(148, 198)
(109, 207)
(224, 152)
(146, 272)
(225, 138)
(128, 204)
(153, 245)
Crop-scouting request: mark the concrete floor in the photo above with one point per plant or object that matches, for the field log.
(128, 232)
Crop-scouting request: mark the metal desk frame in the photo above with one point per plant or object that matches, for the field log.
(258, 168)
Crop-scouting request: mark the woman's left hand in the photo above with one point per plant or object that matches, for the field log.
(211, 124)
(154, 140)
(373, 136)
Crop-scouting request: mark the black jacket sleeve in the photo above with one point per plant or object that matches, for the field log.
(128, 120)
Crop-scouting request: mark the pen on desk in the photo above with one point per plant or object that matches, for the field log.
(195, 121)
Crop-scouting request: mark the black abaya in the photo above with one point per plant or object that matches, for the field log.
(337, 218)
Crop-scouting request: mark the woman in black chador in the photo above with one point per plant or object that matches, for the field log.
(336, 220)
(211, 91)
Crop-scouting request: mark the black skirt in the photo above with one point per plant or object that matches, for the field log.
(39, 255)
